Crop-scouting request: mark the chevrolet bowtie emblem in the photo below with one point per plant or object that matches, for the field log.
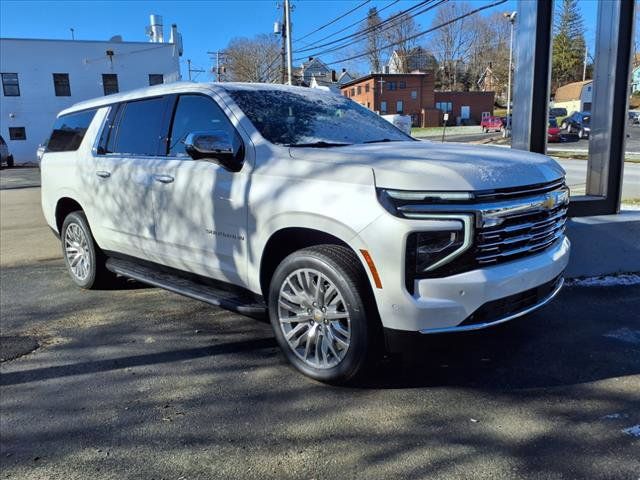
(549, 202)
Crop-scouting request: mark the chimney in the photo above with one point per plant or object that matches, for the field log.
(310, 58)
(176, 38)
(344, 70)
(156, 31)
(334, 77)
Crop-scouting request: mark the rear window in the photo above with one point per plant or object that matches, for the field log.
(69, 130)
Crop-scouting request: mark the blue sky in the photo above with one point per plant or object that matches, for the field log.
(205, 25)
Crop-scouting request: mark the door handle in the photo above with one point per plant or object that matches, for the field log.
(163, 178)
(103, 174)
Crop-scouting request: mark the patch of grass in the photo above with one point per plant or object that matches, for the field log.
(631, 201)
(437, 131)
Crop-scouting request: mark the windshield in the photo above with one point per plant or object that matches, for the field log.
(311, 117)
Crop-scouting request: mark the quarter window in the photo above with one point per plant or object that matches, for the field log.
(17, 133)
(69, 130)
(10, 85)
(156, 79)
(139, 130)
(110, 83)
(61, 84)
(196, 113)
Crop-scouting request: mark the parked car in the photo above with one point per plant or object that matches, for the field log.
(557, 112)
(634, 117)
(5, 157)
(353, 237)
(491, 124)
(578, 122)
(40, 151)
(553, 132)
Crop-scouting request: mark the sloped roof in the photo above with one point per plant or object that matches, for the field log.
(570, 91)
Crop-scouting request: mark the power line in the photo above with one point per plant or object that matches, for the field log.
(333, 21)
(354, 23)
(386, 25)
(413, 37)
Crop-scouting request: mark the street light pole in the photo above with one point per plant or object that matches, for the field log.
(511, 17)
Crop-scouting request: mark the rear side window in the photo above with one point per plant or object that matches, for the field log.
(69, 130)
(139, 128)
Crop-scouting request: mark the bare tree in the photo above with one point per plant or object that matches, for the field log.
(373, 40)
(254, 59)
(453, 42)
(398, 33)
(490, 49)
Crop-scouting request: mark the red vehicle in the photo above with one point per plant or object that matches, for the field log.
(553, 132)
(491, 123)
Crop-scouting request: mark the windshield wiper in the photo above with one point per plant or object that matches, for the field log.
(382, 140)
(320, 144)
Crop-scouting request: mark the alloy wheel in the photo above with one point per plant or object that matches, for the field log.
(76, 249)
(314, 319)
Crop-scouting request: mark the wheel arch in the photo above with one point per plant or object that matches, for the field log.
(64, 206)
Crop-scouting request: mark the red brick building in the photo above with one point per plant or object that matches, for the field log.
(413, 94)
(469, 107)
(405, 93)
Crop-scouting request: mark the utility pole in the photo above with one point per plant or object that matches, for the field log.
(73, 35)
(219, 69)
(287, 24)
(511, 17)
(192, 70)
(283, 49)
(584, 67)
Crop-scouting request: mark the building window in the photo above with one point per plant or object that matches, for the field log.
(156, 79)
(402, 85)
(10, 85)
(353, 91)
(414, 94)
(366, 88)
(392, 86)
(17, 133)
(61, 84)
(110, 83)
(359, 90)
(383, 106)
(444, 106)
(399, 106)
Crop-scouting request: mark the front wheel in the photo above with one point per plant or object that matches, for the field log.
(318, 302)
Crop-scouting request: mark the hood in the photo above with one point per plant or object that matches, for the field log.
(426, 165)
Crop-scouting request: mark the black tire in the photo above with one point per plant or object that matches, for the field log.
(10, 161)
(340, 266)
(97, 273)
(581, 133)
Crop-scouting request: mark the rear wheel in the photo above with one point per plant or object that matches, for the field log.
(85, 262)
(10, 161)
(318, 309)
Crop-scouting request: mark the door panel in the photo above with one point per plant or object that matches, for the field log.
(201, 214)
(131, 147)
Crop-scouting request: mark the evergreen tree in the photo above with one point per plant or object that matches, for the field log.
(568, 45)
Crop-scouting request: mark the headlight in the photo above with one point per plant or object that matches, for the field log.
(426, 251)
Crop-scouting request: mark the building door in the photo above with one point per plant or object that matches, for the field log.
(465, 112)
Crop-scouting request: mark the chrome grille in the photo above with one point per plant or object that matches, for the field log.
(520, 235)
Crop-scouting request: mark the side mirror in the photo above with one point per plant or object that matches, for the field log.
(216, 146)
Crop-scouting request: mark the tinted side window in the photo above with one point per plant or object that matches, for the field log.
(196, 113)
(140, 128)
(69, 130)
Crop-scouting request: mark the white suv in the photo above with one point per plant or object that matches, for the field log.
(352, 235)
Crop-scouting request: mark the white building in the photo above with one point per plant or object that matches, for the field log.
(42, 77)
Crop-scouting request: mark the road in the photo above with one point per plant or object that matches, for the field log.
(138, 383)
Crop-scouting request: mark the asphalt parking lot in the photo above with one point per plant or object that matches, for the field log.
(135, 382)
